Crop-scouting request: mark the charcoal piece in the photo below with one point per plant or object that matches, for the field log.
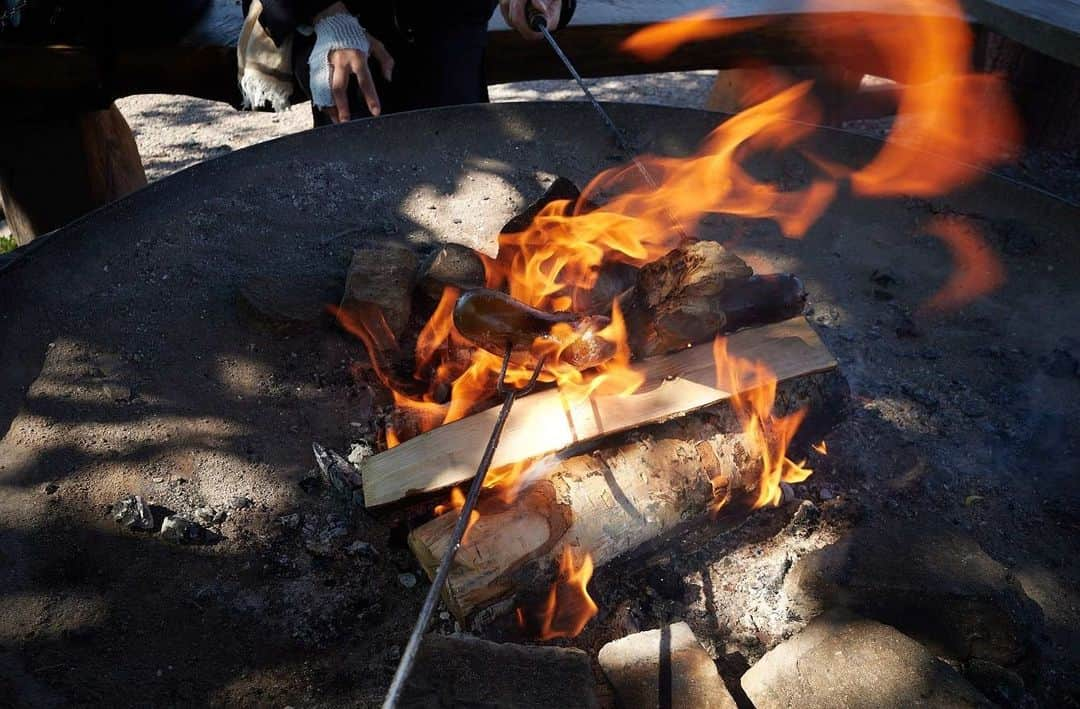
(561, 188)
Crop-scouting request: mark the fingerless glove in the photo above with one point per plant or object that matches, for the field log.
(340, 31)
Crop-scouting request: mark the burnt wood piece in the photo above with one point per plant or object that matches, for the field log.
(52, 171)
(612, 501)
(549, 420)
(463, 671)
(676, 298)
(561, 188)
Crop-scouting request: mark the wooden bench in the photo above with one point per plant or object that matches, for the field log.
(66, 148)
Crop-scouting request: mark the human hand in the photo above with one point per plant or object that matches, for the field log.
(352, 62)
(342, 50)
(514, 13)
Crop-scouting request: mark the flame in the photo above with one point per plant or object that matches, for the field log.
(658, 41)
(821, 448)
(952, 123)
(457, 501)
(977, 270)
(767, 436)
(569, 607)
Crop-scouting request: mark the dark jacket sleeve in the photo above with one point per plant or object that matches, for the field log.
(280, 18)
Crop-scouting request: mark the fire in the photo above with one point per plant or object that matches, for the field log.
(457, 501)
(569, 607)
(767, 435)
(952, 124)
(977, 271)
(821, 448)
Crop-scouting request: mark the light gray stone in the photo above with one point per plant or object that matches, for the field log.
(664, 667)
(842, 660)
(927, 580)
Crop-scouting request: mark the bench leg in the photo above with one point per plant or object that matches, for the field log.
(56, 170)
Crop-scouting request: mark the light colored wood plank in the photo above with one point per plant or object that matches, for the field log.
(546, 421)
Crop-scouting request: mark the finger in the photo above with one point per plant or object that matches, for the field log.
(367, 88)
(386, 62)
(554, 14)
(339, 89)
(518, 19)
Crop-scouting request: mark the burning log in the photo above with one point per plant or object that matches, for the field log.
(550, 420)
(701, 289)
(615, 500)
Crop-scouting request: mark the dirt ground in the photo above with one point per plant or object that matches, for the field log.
(147, 378)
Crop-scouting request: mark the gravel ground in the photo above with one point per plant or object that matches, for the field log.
(174, 132)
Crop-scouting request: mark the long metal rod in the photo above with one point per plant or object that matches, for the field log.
(408, 656)
(540, 25)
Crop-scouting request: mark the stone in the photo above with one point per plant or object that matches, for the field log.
(50, 488)
(290, 302)
(463, 671)
(239, 502)
(926, 579)
(842, 660)
(209, 515)
(407, 580)
(381, 276)
(999, 684)
(181, 530)
(451, 265)
(132, 512)
(292, 521)
(665, 667)
(362, 550)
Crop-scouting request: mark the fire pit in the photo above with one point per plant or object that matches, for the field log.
(174, 345)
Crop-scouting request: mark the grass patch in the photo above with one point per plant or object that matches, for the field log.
(7, 243)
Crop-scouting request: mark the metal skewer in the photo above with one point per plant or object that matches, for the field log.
(539, 23)
(408, 657)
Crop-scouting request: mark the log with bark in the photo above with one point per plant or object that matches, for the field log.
(619, 498)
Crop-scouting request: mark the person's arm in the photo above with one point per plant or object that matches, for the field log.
(280, 18)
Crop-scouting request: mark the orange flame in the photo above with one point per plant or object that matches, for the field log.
(977, 270)
(569, 607)
(952, 123)
(767, 436)
(658, 41)
(821, 448)
(457, 501)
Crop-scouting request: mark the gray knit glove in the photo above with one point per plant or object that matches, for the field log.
(340, 31)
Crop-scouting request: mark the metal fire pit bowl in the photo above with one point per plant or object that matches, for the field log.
(127, 361)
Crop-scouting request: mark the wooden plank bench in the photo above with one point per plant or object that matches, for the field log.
(60, 97)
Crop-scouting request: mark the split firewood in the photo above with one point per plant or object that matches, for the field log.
(617, 499)
(549, 421)
(379, 286)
